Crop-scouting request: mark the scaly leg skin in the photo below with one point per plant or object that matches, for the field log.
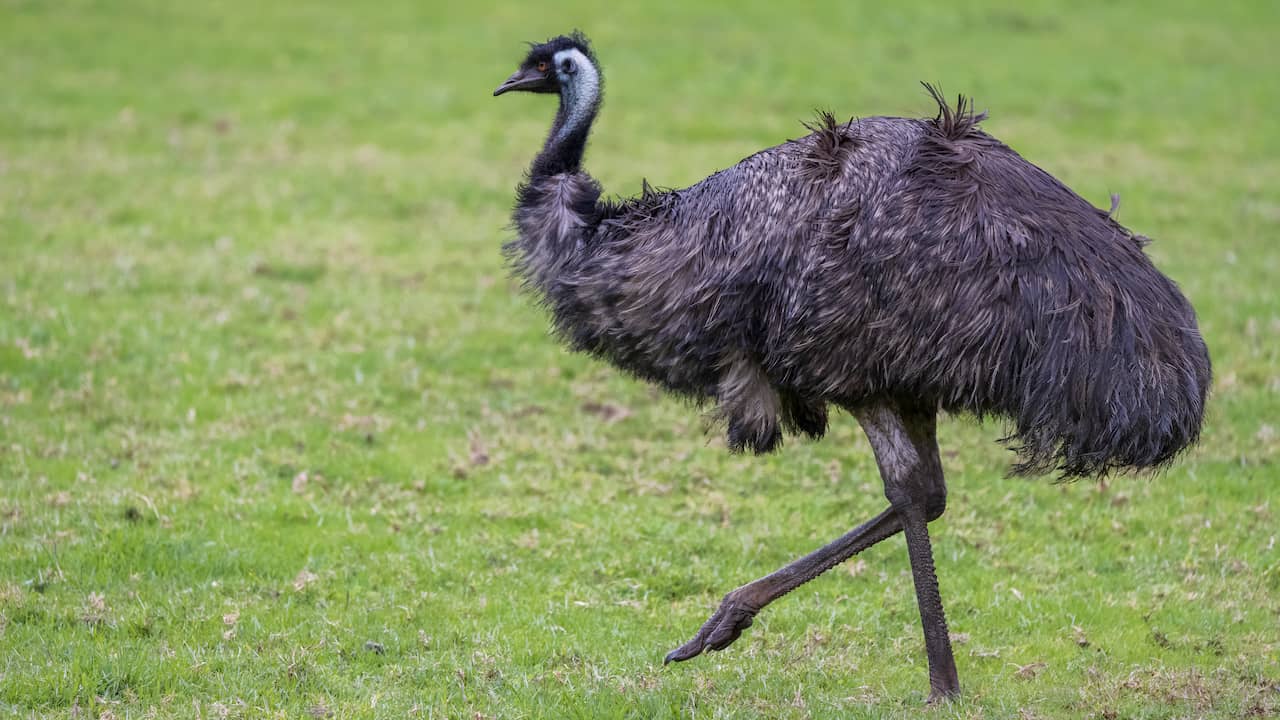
(738, 609)
(903, 439)
(944, 684)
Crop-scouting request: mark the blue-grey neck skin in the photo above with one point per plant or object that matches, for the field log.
(579, 102)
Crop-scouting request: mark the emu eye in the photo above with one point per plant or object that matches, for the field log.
(542, 66)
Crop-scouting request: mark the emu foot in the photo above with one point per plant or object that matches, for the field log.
(726, 625)
(938, 696)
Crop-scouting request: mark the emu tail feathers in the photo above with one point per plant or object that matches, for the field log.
(1133, 405)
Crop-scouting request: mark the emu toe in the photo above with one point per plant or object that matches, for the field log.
(719, 632)
(941, 697)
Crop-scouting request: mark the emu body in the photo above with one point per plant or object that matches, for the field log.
(892, 267)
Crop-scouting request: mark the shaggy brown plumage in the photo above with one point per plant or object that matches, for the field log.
(886, 256)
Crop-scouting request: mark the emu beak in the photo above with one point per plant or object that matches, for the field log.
(524, 79)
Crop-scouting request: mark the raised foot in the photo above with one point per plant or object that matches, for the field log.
(725, 625)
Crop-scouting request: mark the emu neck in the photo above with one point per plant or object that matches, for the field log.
(556, 210)
(579, 102)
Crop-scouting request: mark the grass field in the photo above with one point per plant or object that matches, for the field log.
(280, 438)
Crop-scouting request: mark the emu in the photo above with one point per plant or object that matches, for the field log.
(890, 267)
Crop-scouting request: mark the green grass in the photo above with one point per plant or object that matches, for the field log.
(279, 437)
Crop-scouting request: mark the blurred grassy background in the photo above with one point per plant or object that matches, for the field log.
(278, 436)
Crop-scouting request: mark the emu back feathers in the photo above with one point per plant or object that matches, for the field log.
(881, 258)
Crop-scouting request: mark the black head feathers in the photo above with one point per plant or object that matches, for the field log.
(573, 41)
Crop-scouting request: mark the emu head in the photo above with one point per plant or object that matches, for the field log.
(563, 65)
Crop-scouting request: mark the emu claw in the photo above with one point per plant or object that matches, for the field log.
(941, 697)
(717, 633)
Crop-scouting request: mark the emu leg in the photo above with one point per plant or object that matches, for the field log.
(944, 683)
(739, 608)
(906, 450)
